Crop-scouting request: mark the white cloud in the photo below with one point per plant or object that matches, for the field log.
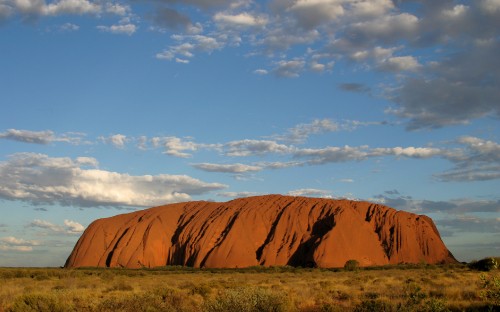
(317, 67)
(38, 8)
(289, 69)
(284, 37)
(68, 27)
(70, 227)
(260, 72)
(40, 179)
(347, 180)
(371, 8)
(281, 164)
(335, 154)
(73, 227)
(125, 29)
(190, 44)
(400, 63)
(479, 160)
(117, 140)
(178, 147)
(12, 243)
(228, 168)
(301, 132)
(457, 12)
(311, 13)
(26, 136)
(311, 192)
(41, 137)
(71, 7)
(387, 28)
(117, 9)
(86, 161)
(411, 152)
(244, 19)
(254, 147)
(237, 194)
(490, 6)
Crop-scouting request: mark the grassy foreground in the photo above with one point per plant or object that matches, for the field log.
(396, 288)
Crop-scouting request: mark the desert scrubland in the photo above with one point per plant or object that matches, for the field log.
(389, 288)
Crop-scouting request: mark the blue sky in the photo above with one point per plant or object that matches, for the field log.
(112, 106)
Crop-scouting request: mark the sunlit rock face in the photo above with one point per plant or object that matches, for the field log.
(263, 230)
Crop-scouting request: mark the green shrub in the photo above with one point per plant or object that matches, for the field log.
(351, 265)
(248, 300)
(486, 264)
(413, 293)
(490, 288)
(203, 290)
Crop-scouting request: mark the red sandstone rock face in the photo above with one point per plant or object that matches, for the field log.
(263, 230)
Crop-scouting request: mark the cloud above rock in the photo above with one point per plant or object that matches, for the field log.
(40, 179)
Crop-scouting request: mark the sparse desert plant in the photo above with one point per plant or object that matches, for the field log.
(351, 265)
(435, 305)
(121, 285)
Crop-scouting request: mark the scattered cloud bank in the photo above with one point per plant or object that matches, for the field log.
(478, 161)
(441, 56)
(471, 158)
(453, 206)
(41, 179)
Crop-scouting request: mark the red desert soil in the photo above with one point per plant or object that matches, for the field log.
(262, 230)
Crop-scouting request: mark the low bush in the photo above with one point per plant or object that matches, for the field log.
(486, 264)
(351, 265)
(248, 300)
(490, 289)
(374, 306)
